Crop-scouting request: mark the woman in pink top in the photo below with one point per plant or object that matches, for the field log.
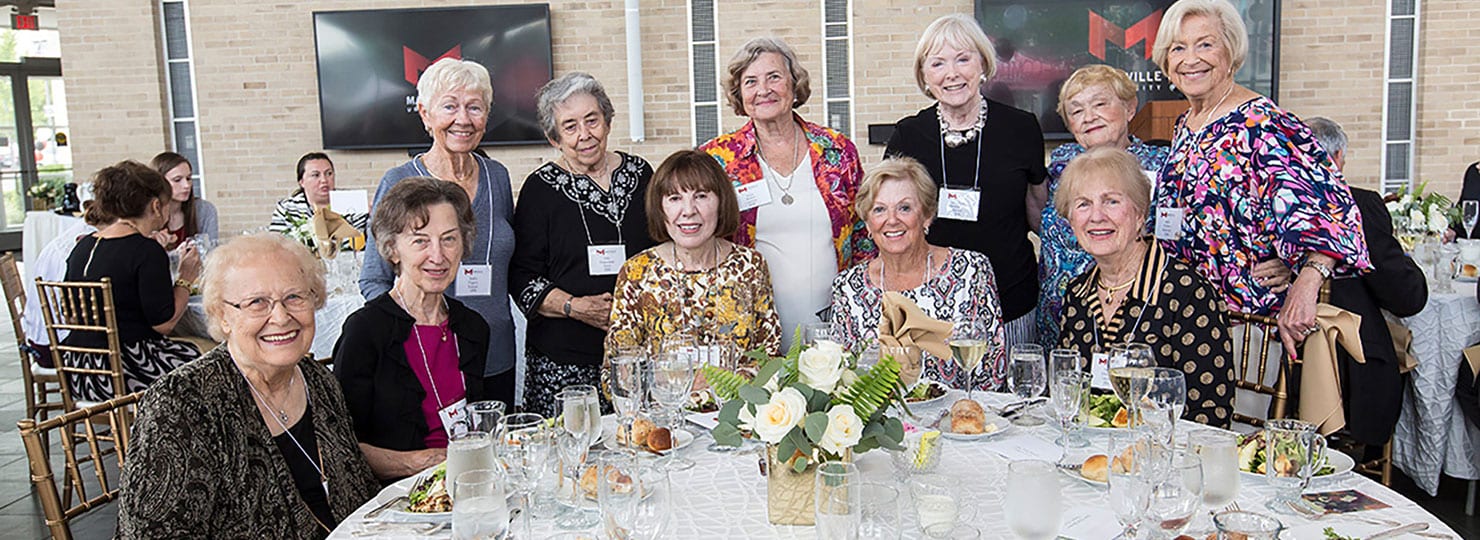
(411, 358)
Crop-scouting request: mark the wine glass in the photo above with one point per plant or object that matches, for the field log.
(1129, 365)
(1469, 215)
(479, 507)
(581, 411)
(484, 416)
(1033, 499)
(1166, 397)
(836, 499)
(633, 504)
(1219, 453)
(1070, 390)
(524, 445)
(625, 384)
(968, 345)
(1028, 379)
(673, 377)
(582, 427)
(1062, 360)
(1175, 497)
(1130, 487)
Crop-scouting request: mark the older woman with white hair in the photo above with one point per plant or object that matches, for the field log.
(1137, 292)
(1246, 181)
(453, 99)
(795, 181)
(898, 202)
(986, 159)
(252, 440)
(578, 219)
(1096, 102)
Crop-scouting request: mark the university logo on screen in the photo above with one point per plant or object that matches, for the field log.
(1104, 32)
(414, 64)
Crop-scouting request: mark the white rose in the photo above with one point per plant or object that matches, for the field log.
(821, 366)
(1437, 220)
(1416, 220)
(775, 419)
(1393, 208)
(843, 430)
(1406, 200)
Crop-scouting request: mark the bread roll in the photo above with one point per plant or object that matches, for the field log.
(640, 430)
(1096, 468)
(660, 439)
(588, 481)
(968, 417)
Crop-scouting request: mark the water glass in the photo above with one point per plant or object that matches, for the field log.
(1062, 361)
(1130, 486)
(633, 504)
(813, 332)
(878, 512)
(469, 451)
(1028, 379)
(1033, 499)
(937, 506)
(525, 446)
(1070, 392)
(1219, 453)
(485, 416)
(1237, 525)
(480, 510)
(625, 385)
(1294, 452)
(1175, 498)
(673, 377)
(837, 501)
(1128, 368)
(1166, 398)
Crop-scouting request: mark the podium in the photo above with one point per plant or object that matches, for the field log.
(1155, 121)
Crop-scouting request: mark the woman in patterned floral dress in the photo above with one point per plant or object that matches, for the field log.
(577, 219)
(1096, 102)
(1246, 181)
(695, 281)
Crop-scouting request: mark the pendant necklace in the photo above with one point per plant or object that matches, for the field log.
(282, 415)
(796, 157)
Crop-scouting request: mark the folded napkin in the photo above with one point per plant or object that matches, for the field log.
(1320, 379)
(904, 324)
(329, 229)
(1472, 355)
(1403, 346)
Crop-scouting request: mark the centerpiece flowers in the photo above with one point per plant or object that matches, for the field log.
(812, 405)
(1417, 214)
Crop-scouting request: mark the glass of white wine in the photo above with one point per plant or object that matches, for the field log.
(968, 346)
(1130, 370)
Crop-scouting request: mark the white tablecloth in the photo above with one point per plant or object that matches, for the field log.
(327, 321)
(723, 496)
(1432, 437)
(39, 229)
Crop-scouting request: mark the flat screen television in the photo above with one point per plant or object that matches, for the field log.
(1040, 42)
(369, 62)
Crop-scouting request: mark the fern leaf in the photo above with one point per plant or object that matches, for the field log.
(726, 383)
(872, 390)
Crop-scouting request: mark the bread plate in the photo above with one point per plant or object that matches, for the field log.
(682, 438)
(1002, 425)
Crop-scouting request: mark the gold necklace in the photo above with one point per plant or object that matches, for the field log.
(1100, 281)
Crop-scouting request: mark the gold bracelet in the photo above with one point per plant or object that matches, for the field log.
(187, 285)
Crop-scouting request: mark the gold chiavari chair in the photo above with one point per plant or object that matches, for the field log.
(43, 387)
(88, 481)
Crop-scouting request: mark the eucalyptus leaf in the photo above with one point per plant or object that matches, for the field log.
(800, 464)
(726, 435)
(816, 424)
(729, 413)
(755, 395)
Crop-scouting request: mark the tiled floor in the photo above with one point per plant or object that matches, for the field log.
(21, 517)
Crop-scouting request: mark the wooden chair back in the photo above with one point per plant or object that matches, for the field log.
(82, 306)
(88, 480)
(39, 385)
(1261, 368)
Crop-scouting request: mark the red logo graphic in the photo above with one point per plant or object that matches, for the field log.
(601, 252)
(1102, 31)
(415, 63)
(467, 271)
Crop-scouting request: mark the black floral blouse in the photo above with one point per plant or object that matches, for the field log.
(1175, 311)
(203, 464)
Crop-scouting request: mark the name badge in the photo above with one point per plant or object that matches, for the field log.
(605, 260)
(1169, 222)
(1099, 371)
(475, 280)
(959, 204)
(454, 418)
(756, 193)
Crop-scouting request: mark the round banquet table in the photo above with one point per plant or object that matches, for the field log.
(327, 321)
(723, 495)
(1432, 436)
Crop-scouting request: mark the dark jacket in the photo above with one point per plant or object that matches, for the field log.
(383, 394)
(1373, 391)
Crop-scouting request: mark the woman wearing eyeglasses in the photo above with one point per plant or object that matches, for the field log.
(412, 357)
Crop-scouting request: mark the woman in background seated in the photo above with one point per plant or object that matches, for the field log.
(132, 198)
(252, 440)
(315, 181)
(695, 282)
(1136, 292)
(188, 215)
(414, 354)
(898, 201)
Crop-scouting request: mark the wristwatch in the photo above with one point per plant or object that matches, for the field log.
(182, 283)
(566, 309)
(1325, 270)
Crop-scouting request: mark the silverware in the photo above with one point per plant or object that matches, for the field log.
(1390, 533)
(387, 506)
(944, 412)
(1013, 409)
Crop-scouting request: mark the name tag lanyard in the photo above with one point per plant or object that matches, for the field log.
(482, 175)
(1129, 332)
(581, 209)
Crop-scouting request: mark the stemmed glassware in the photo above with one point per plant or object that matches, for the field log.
(1129, 478)
(1033, 499)
(879, 512)
(1028, 379)
(725, 356)
(1218, 451)
(581, 429)
(525, 446)
(1063, 360)
(1070, 391)
(479, 508)
(673, 376)
(816, 331)
(626, 385)
(1175, 497)
(1469, 215)
(968, 346)
(634, 500)
(1129, 367)
(1166, 398)
(484, 416)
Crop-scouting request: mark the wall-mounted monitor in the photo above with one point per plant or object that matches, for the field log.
(370, 61)
(1040, 42)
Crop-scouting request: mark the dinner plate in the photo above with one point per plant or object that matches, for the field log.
(400, 512)
(1071, 473)
(682, 438)
(1337, 460)
(1466, 279)
(1003, 425)
(933, 401)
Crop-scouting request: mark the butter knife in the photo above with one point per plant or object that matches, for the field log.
(1394, 532)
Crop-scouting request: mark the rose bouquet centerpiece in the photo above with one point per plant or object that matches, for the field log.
(812, 405)
(1417, 214)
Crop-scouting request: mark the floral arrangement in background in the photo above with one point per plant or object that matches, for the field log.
(301, 229)
(814, 404)
(1419, 213)
(49, 190)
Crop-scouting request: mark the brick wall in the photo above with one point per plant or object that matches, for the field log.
(258, 101)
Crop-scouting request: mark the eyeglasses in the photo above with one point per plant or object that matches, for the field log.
(262, 305)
